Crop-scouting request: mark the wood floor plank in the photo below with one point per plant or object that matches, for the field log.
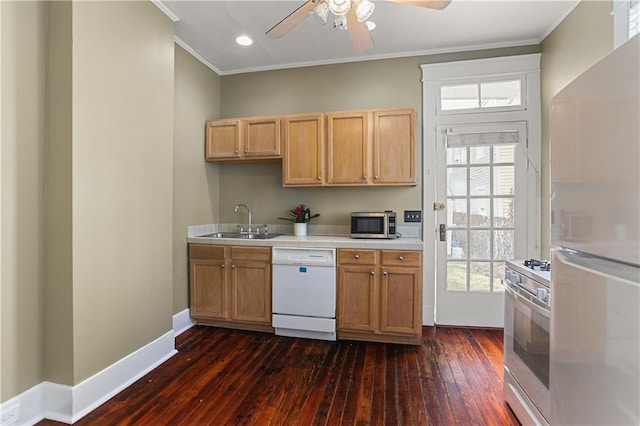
(222, 376)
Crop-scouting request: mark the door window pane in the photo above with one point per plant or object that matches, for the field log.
(498, 273)
(503, 244)
(503, 212)
(479, 276)
(480, 180)
(456, 276)
(480, 212)
(457, 181)
(480, 245)
(479, 154)
(458, 246)
(504, 153)
(457, 156)
(458, 210)
(503, 180)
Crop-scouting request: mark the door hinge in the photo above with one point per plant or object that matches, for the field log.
(438, 207)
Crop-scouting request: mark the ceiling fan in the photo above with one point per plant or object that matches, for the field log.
(349, 15)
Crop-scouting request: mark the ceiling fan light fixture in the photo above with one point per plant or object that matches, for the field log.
(340, 23)
(371, 25)
(364, 9)
(339, 7)
(321, 11)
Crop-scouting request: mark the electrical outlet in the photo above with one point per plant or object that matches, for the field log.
(10, 416)
(412, 216)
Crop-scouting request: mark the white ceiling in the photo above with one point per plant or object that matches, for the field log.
(208, 29)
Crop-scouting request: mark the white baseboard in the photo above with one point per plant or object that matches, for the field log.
(428, 317)
(69, 404)
(182, 322)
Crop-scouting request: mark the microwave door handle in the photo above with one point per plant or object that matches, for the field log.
(527, 302)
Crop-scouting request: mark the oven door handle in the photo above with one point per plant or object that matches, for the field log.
(527, 302)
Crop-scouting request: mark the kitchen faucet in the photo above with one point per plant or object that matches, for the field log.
(248, 209)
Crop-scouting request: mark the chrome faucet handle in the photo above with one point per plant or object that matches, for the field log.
(266, 229)
(241, 228)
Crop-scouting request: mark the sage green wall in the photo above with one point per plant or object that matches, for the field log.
(123, 67)
(58, 310)
(584, 37)
(359, 85)
(195, 184)
(22, 52)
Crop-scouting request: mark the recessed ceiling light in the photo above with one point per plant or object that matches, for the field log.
(371, 25)
(244, 40)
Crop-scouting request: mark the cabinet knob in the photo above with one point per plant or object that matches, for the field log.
(246, 150)
(233, 266)
(375, 178)
(400, 257)
(357, 256)
(319, 177)
(364, 177)
(224, 266)
(236, 151)
(373, 272)
(385, 273)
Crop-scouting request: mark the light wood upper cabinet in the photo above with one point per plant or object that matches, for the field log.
(243, 139)
(394, 146)
(303, 150)
(223, 139)
(348, 136)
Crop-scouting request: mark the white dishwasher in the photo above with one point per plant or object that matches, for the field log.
(304, 292)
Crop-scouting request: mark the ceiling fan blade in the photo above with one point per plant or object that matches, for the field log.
(430, 4)
(287, 24)
(359, 32)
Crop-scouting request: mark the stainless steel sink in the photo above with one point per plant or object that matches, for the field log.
(243, 235)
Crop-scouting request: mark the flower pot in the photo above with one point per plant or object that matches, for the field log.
(299, 229)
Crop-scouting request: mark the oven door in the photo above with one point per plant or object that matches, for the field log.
(526, 344)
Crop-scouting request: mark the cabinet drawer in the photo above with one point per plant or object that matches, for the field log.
(251, 253)
(401, 258)
(203, 251)
(357, 257)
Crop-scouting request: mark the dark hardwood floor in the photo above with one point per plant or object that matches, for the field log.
(223, 376)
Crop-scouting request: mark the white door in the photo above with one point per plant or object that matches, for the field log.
(481, 183)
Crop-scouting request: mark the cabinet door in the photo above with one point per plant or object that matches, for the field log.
(262, 137)
(251, 291)
(401, 300)
(223, 139)
(303, 159)
(208, 288)
(348, 148)
(394, 146)
(357, 301)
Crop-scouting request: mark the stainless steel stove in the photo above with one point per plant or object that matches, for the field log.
(526, 339)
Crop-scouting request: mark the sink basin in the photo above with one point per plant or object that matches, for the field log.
(244, 236)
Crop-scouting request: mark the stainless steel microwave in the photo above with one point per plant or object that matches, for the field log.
(373, 225)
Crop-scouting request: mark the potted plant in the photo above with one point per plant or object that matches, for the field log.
(300, 216)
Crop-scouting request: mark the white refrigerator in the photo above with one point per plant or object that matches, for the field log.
(595, 230)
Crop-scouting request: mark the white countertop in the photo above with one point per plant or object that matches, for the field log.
(321, 241)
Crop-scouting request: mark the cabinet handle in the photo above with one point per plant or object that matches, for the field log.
(357, 256)
(400, 257)
(373, 272)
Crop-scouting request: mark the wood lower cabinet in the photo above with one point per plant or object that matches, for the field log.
(230, 286)
(380, 295)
